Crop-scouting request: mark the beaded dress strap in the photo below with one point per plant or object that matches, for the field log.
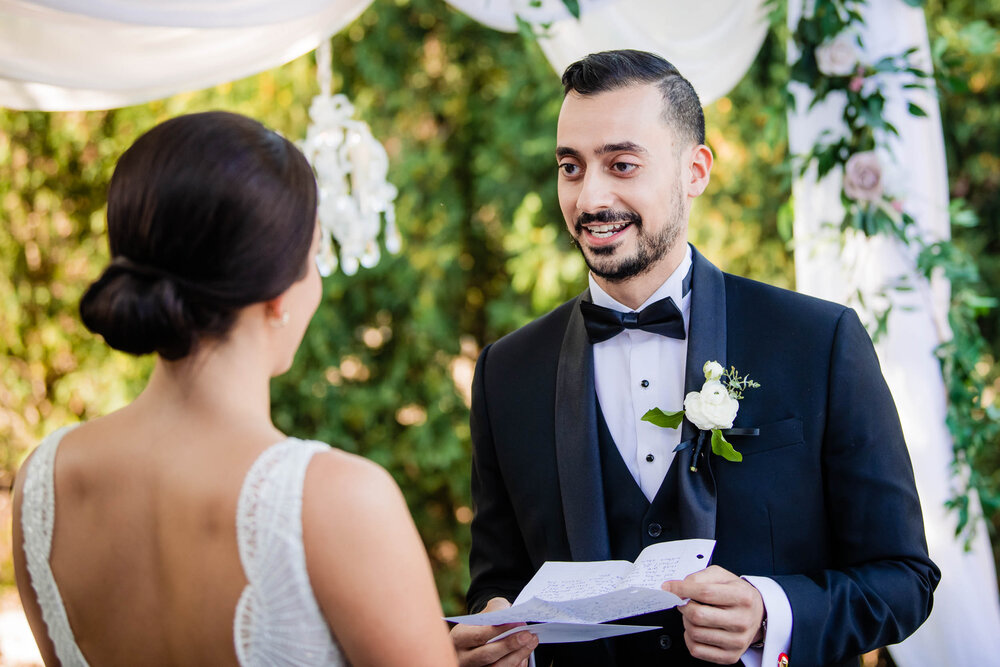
(38, 513)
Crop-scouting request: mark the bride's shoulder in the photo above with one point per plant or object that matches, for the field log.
(349, 482)
(355, 528)
(349, 501)
(42, 450)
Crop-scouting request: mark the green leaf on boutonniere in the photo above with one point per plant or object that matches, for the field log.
(658, 417)
(721, 447)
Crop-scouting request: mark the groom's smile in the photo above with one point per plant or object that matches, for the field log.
(603, 231)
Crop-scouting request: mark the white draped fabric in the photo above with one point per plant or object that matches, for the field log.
(712, 43)
(60, 55)
(964, 627)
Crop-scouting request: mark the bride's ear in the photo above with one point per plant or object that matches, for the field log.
(276, 311)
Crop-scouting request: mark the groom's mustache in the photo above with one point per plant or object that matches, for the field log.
(606, 216)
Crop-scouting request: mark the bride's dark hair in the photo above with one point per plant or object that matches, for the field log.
(207, 213)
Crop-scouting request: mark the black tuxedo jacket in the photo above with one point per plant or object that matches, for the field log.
(823, 502)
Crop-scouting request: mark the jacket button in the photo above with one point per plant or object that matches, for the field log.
(644, 384)
(654, 530)
(665, 642)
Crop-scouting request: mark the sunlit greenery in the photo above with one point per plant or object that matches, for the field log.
(468, 117)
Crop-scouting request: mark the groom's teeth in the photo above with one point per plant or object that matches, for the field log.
(604, 231)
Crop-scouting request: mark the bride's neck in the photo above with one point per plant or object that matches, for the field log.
(220, 383)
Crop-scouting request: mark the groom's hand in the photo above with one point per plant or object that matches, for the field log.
(473, 651)
(723, 616)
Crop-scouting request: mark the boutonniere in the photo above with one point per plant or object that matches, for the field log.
(712, 409)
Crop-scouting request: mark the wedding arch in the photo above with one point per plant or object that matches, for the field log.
(871, 212)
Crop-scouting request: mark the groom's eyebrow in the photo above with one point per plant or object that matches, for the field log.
(621, 147)
(618, 147)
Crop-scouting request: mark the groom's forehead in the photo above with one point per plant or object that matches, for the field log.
(632, 114)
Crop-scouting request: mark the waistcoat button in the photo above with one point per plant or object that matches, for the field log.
(665, 642)
(654, 530)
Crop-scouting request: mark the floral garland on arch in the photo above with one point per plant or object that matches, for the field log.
(830, 59)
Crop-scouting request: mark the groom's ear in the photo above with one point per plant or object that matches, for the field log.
(699, 170)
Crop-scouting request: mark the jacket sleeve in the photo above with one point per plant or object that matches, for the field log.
(498, 560)
(879, 589)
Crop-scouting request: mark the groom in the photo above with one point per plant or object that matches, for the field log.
(820, 553)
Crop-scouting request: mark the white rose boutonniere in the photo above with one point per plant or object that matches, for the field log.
(712, 409)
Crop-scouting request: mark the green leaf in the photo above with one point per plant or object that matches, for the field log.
(981, 304)
(658, 417)
(573, 6)
(721, 447)
(961, 215)
(915, 110)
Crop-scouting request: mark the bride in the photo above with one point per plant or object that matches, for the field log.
(185, 528)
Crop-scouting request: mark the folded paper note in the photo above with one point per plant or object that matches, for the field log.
(564, 633)
(592, 593)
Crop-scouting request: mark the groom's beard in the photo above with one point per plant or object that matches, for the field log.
(649, 249)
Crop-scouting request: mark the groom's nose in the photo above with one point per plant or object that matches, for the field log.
(596, 192)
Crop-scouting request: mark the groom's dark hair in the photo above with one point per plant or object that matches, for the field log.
(612, 70)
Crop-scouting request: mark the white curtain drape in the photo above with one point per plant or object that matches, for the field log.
(964, 627)
(713, 42)
(60, 55)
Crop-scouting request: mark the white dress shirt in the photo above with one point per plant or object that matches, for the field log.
(635, 371)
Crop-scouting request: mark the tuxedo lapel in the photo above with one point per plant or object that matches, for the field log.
(577, 454)
(706, 342)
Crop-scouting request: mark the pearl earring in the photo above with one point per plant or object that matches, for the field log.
(278, 322)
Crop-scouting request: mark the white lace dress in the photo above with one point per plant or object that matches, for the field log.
(278, 621)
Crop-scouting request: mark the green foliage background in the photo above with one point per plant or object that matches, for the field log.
(468, 117)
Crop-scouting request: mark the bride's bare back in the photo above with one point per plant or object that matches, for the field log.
(144, 546)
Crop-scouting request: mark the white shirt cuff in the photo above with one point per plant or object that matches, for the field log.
(778, 637)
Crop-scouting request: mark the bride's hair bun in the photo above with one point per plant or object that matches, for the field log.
(207, 213)
(138, 314)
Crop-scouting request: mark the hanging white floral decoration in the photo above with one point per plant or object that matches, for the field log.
(351, 168)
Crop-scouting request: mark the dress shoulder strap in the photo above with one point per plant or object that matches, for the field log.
(270, 502)
(38, 513)
(278, 619)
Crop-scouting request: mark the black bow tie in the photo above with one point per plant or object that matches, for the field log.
(660, 317)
